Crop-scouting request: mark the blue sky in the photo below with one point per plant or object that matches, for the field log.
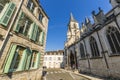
(59, 14)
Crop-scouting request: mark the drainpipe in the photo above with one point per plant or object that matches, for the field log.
(10, 27)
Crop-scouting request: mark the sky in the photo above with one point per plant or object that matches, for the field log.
(59, 15)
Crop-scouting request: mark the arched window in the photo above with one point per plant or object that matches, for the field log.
(94, 47)
(82, 51)
(113, 36)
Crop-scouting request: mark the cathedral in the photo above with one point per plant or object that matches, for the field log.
(95, 47)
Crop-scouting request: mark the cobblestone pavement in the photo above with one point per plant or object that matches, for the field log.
(57, 74)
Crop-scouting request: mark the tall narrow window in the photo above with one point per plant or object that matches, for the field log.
(17, 57)
(33, 59)
(23, 24)
(113, 36)
(94, 47)
(40, 17)
(82, 51)
(31, 6)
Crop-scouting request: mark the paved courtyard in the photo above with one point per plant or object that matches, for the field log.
(58, 74)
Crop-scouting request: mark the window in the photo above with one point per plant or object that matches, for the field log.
(50, 58)
(33, 59)
(59, 58)
(82, 52)
(24, 24)
(6, 11)
(31, 6)
(94, 47)
(40, 17)
(17, 57)
(21, 58)
(2, 4)
(113, 36)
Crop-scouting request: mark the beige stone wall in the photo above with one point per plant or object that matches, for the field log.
(23, 41)
(25, 75)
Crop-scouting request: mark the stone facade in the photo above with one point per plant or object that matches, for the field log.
(23, 30)
(97, 49)
(53, 59)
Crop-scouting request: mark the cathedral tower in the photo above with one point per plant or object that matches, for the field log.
(73, 29)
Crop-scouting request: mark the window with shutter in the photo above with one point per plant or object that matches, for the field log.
(17, 58)
(34, 59)
(7, 13)
(23, 24)
(23, 62)
(17, 26)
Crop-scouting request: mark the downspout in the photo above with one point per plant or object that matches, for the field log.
(10, 27)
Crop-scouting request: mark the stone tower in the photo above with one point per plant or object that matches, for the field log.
(73, 30)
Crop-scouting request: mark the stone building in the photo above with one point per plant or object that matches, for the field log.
(23, 30)
(53, 59)
(97, 50)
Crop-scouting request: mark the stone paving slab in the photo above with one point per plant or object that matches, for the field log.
(89, 77)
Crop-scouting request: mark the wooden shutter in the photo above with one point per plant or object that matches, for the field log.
(42, 38)
(7, 13)
(10, 58)
(17, 26)
(37, 60)
(33, 32)
(30, 33)
(29, 55)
